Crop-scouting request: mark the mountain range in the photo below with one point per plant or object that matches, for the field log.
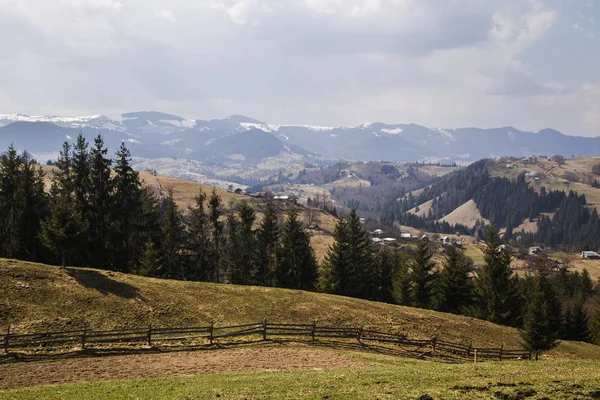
(246, 140)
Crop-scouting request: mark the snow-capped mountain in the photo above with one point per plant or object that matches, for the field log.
(245, 140)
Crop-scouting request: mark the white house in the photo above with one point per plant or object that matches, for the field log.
(377, 232)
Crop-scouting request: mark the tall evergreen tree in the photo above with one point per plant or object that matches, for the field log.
(234, 254)
(100, 205)
(126, 214)
(456, 285)
(22, 206)
(248, 245)
(496, 287)
(150, 262)
(81, 174)
(350, 259)
(401, 280)
(214, 207)
(538, 333)
(63, 232)
(578, 328)
(267, 241)
(384, 264)
(297, 266)
(199, 238)
(172, 239)
(423, 276)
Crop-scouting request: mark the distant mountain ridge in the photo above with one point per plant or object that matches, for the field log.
(155, 134)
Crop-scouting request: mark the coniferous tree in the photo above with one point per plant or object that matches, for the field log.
(214, 207)
(384, 264)
(297, 266)
(172, 238)
(10, 214)
(233, 258)
(150, 262)
(126, 214)
(267, 239)
(23, 205)
(496, 287)
(81, 175)
(423, 277)
(401, 280)
(350, 259)
(538, 332)
(64, 230)
(100, 205)
(456, 285)
(248, 245)
(199, 239)
(578, 328)
(596, 322)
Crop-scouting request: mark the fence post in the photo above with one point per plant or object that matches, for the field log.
(6, 340)
(313, 330)
(475, 355)
(264, 323)
(211, 330)
(434, 342)
(83, 338)
(150, 334)
(360, 332)
(469, 350)
(500, 354)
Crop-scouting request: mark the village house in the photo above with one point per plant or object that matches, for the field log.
(590, 255)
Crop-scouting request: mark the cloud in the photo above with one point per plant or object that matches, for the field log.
(327, 62)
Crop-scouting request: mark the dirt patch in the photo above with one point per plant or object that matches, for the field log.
(274, 358)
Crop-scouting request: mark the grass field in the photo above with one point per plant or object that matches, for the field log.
(371, 377)
(38, 298)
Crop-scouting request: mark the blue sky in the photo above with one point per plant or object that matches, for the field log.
(530, 64)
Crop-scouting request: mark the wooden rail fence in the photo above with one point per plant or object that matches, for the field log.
(209, 334)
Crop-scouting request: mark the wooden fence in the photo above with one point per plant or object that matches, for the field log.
(88, 339)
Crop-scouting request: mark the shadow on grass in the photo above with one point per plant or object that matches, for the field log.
(102, 283)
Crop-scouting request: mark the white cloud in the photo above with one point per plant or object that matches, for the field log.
(322, 62)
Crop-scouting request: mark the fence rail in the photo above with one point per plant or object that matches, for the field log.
(152, 336)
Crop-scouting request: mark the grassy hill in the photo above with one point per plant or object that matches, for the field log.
(37, 297)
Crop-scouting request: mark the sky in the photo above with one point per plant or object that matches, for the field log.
(530, 64)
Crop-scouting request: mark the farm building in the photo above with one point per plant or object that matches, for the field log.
(590, 255)
(377, 232)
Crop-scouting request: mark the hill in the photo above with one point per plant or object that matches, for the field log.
(37, 297)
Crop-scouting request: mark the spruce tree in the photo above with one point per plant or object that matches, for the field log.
(297, 266)
(214, 207)
(578, 326)
(126, 214)
(63, 232)
(172, 238)
(81, 174)
(401, 280)
(456, 285)
(199, 238)
(496, 287)
(10, 213)
(384, 264)
(234, 255)
(248, 245)
(150, 263)
(100, 205)
(350, 259)
(538, 333)
(423, 277)
(267, 240)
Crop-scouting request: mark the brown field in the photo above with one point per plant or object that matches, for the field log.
(467, 214)
(423, 209)
(263, 357)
